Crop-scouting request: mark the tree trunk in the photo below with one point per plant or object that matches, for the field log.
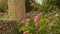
(16, 9)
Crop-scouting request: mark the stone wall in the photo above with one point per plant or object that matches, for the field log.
(8, 27)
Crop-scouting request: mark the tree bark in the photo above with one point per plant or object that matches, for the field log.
(16, 9)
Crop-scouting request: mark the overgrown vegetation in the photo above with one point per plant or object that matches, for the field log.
(44, 19)
(40, 19)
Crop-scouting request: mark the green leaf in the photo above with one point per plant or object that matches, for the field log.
(27, 24)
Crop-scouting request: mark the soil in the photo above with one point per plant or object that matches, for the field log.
(8, 27)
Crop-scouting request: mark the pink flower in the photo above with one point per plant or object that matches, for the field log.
(36, 19)
(38, 30)
(27, 20)
(23, 22)
(24, 32)
(32, 12)
(39, 14)
(36, 24)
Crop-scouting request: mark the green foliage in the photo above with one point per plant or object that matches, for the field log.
(3, 5)
(28, 5)
(48, 23)
(53, 2)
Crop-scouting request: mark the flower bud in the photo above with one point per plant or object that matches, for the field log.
(23, 22)
(24, 32)
(36, 19)
(27, 20)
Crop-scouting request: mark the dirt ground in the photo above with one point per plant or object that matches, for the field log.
(8, 27)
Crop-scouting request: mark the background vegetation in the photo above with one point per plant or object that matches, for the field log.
(40, 19)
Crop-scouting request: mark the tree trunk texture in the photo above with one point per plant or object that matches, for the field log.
(16, 9)
(8, 27)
